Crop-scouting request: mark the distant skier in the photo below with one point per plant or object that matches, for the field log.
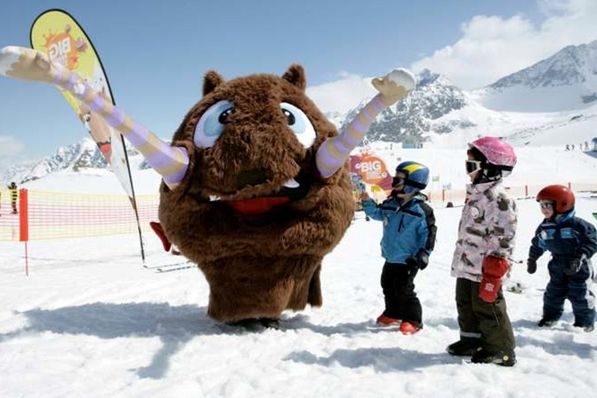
(572, 242)
(14, 194)
(485, 241)
(408, 239)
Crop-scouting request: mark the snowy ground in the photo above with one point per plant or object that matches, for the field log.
(89, 321)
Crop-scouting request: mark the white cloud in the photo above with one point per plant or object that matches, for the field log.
(341, 95)
(10, 146)
(492, 47)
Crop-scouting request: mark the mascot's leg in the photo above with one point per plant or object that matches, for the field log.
(261, 287)
(315, 298)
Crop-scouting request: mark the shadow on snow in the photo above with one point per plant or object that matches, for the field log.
(174, 325)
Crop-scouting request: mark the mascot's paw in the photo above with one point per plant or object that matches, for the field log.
(25, 64)
(395, 85)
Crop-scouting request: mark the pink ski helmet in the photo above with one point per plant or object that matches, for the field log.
(497, 152)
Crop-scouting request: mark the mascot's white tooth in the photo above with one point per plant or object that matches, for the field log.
(292, 183)
(213, 198)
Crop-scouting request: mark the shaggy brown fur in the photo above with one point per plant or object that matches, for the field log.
(257, 265)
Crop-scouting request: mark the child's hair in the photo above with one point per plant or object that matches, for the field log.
(561, 196)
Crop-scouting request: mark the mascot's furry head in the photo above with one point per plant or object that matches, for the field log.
(255, 190)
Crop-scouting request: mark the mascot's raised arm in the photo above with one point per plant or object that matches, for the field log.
(255, 185)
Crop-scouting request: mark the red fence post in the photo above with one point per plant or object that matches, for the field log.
(23, 215)
(24, 223)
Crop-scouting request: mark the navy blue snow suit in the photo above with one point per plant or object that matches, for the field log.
(572, 242)
(408, 235)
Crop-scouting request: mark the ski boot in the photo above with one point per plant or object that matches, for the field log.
(465, 347)
(410, 327)
(383, 320)
(501, 357)
(586, 328)
(546, 323)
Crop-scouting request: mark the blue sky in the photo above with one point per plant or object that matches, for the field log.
(156, 52)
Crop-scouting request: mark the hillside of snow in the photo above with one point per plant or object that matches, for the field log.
(89, 321)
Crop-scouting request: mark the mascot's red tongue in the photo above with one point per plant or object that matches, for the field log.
(256, 205)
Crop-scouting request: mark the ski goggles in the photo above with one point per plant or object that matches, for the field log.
(473, 165)
(396, 181)
(546, 204)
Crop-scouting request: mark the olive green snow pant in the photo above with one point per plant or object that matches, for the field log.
(487, 321)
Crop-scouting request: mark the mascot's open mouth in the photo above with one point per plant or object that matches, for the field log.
(291, 190)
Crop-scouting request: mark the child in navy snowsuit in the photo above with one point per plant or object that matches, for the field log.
(408, 239)
(572, 242)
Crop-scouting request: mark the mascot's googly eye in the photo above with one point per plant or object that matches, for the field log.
(212, 123)
(299, 123)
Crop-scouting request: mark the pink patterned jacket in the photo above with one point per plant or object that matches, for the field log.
(487, 227)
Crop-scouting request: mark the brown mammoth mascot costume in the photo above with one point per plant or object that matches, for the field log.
(255, 187)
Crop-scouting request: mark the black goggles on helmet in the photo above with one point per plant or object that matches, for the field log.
(397, 181)
(473, 165)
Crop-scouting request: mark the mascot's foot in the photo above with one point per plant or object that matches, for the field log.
(257, 323)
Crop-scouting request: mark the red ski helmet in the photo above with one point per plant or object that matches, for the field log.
(562, 197)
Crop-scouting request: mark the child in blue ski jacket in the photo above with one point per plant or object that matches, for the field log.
(572, 242)
(408, 239)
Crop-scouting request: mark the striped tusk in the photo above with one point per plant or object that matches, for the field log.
(31, 65)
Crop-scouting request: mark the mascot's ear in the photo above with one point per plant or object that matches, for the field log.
(296, 75)
(211, 80)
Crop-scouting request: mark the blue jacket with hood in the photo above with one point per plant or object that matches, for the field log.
(408, 226)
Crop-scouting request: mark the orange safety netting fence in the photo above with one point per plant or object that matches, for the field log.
(38, 215)
(54, 215)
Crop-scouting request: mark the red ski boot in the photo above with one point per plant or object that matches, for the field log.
(383, 320)
(409, 328)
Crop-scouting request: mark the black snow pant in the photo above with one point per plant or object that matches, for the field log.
(397, 282)
(575, 288)
(487, 322)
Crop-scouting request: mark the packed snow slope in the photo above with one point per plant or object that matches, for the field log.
(90, 321)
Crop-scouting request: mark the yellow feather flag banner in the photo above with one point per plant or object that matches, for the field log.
(57, 33)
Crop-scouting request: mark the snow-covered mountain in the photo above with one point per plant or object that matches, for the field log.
(81, 155)
(567, 80)
(554, 94)
(569, 66)
(434, 97)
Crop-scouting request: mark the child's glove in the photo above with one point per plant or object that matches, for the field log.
(420, 261)
(531, 265)
(494, 268)
(573, 265)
